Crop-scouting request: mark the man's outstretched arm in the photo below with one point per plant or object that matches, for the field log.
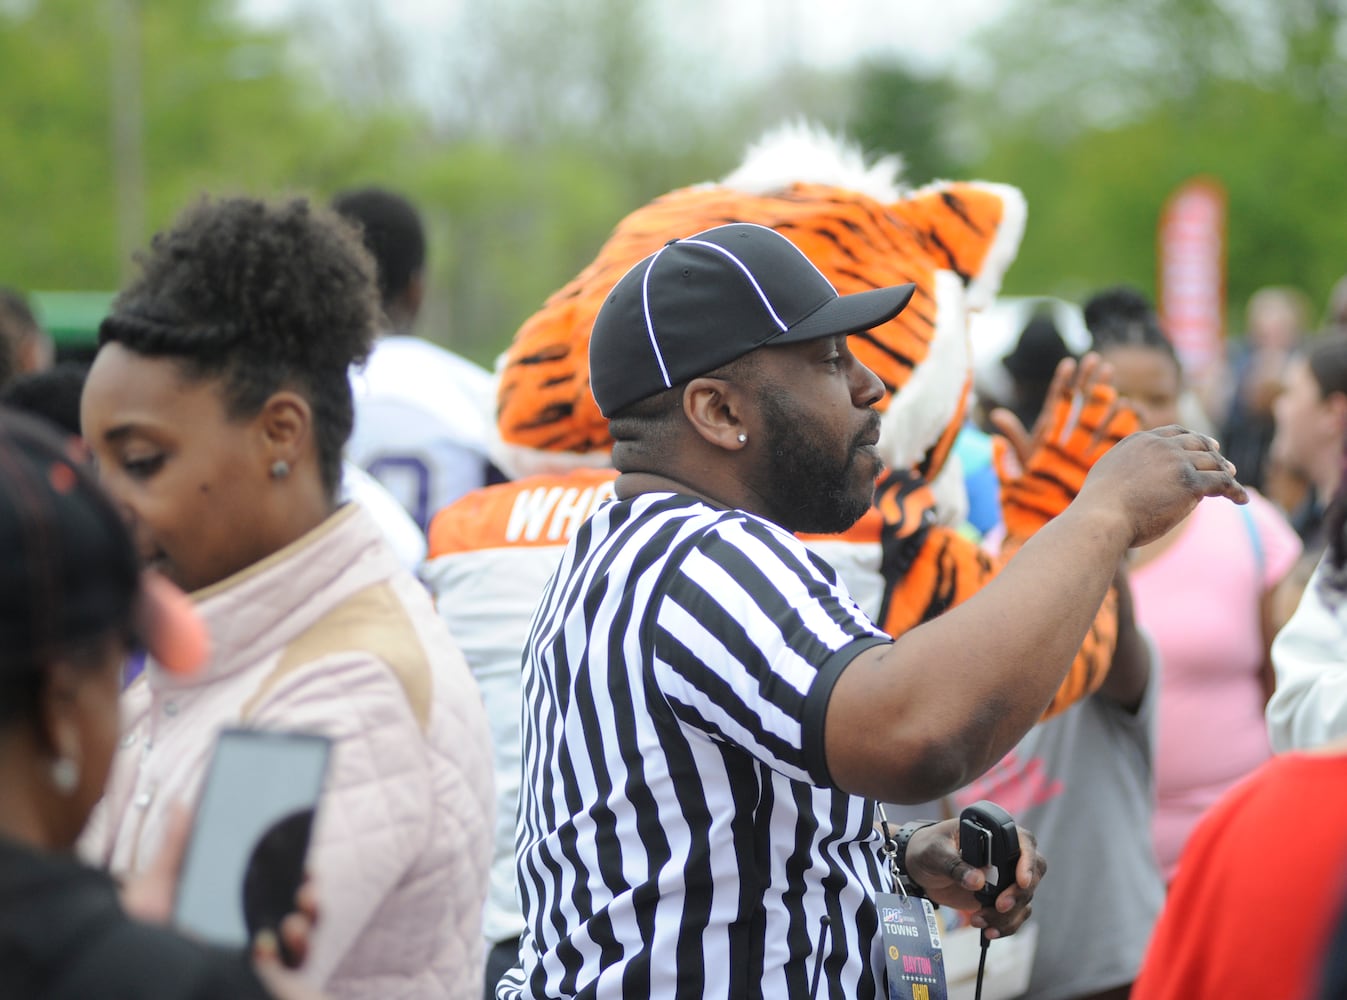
(914, 720)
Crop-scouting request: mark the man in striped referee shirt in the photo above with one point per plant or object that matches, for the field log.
(708, 717)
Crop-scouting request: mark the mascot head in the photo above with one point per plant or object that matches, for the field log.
(953, 240)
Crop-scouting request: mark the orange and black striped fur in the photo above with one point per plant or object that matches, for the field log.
(958, 229)
(954, 240)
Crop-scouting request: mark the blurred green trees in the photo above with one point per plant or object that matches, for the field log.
(515, 202)
(554, 120)
(1094, 199)
(1098, 110)
(219, 110)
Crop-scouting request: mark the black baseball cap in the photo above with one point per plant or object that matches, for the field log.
(703, 301)
(70, 571)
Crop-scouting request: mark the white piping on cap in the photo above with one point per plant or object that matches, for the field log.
(649, 320)
(762, 295)
(766, 302)
(769, 229)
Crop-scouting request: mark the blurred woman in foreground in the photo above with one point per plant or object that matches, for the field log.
(72, 604)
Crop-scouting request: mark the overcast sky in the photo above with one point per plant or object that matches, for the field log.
(831, 34)
(751, 36)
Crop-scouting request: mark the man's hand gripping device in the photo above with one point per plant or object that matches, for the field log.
(988, 838)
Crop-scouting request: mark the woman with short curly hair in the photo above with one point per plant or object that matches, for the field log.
(217, 408)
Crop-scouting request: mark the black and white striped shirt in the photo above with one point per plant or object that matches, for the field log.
(677, 833)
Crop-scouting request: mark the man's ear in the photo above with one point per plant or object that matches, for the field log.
(286, 424)
(717, 410)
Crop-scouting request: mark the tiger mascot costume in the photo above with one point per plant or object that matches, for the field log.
(492, 552)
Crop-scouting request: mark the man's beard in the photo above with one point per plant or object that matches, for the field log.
(810, 486)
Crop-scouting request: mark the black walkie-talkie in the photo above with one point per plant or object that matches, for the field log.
(988, 838)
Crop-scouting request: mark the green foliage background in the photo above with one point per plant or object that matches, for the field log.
(1095, 110)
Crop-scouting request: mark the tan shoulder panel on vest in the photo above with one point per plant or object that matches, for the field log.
(372, 621)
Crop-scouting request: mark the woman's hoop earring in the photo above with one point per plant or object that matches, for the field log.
(280, 469)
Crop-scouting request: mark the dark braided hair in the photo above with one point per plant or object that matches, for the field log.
(264, 296)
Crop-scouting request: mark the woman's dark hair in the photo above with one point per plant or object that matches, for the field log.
(1326, 357)
(263, 296)
(1122, 317)
(16, 323)
(1032, 363)
(1333, 975)
(69, 576)
(1334, 579)
(52, 394)
(1327, 362)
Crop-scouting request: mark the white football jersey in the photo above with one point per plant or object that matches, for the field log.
(422, 420)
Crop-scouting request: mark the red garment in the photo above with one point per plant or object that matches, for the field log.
(1259, 889)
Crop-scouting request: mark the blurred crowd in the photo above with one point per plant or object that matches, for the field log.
(265, 426)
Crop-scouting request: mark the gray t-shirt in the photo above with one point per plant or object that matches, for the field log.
(1083, 783)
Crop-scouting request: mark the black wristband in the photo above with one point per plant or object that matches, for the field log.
(901, 839)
